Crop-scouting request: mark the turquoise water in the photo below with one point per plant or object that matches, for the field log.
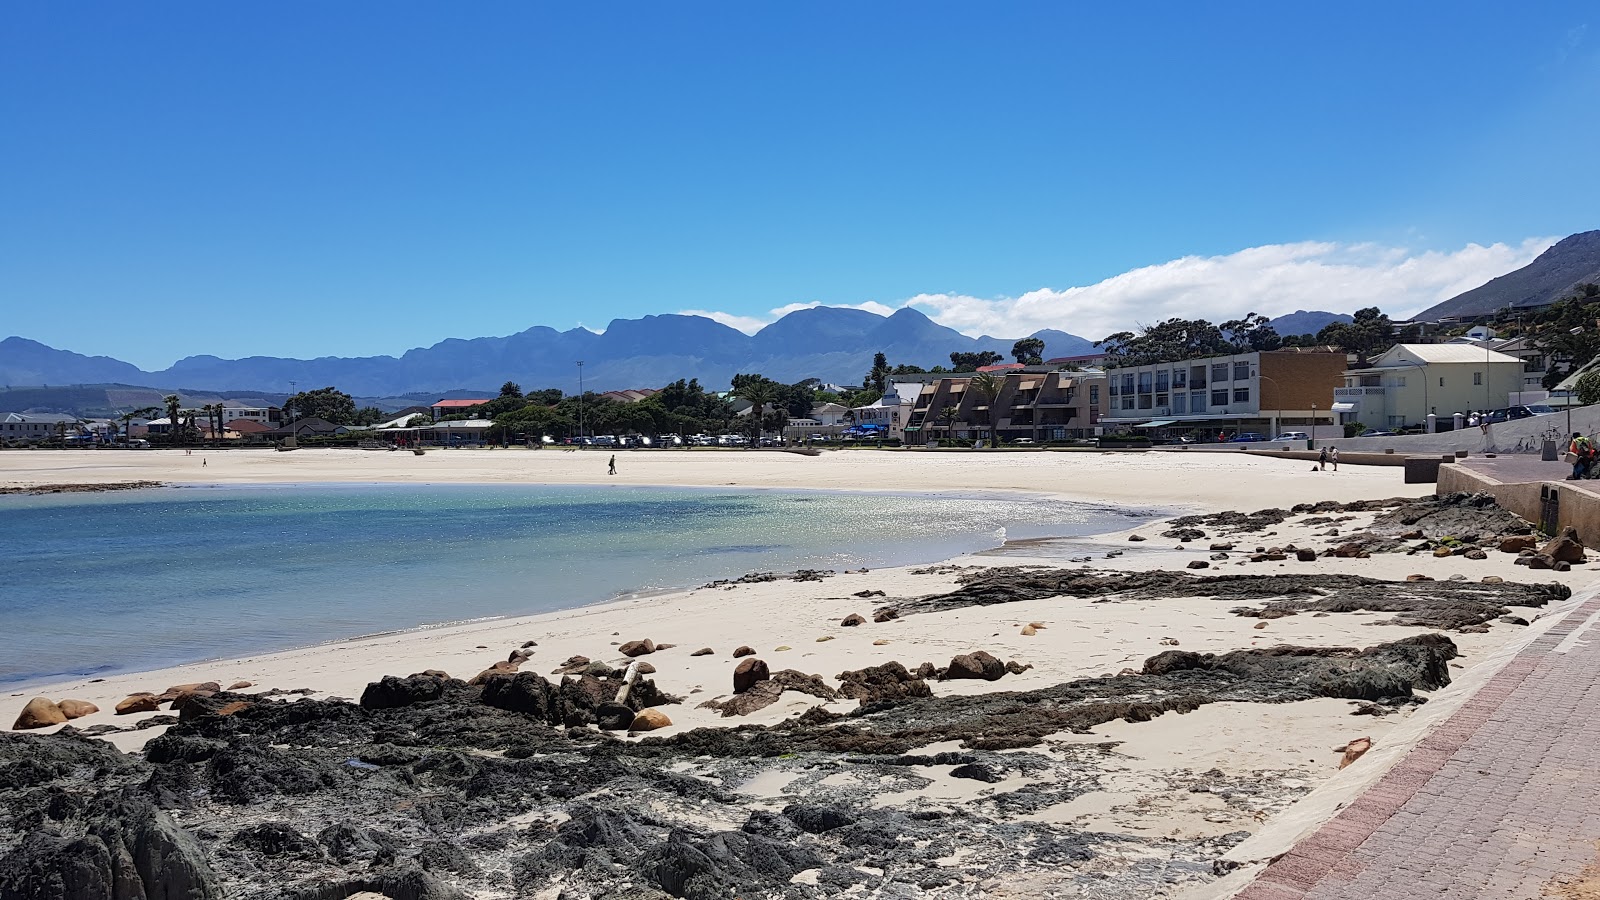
(137, 580)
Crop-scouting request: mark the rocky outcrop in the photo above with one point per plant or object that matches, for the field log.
(978, 664)
(392, 692)
(1567, 547)
(637, 648)
(888, 683)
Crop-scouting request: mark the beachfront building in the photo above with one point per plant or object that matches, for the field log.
(886, 417)
(1264, 392)
(270, 416)
(1410, 381)
(442, 408)
(31, 427)
(1039, 403)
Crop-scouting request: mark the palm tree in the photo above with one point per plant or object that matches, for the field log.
(144, 412)
(172, 402)
(987, 386)
(760, 393)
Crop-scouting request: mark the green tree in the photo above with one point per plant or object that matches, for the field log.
(511, 389)
(972, 362)
(1370, 334)
(1252, 333)
(1588, 387)
(328, 403)
(1029, 351)
(367, 415)
(760, 392)
(877, 378)
(987, 386)
(1168, 341)
(947, 415)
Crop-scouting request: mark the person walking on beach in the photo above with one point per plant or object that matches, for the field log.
(1333, 457)
(1322, 459)
(613, 465)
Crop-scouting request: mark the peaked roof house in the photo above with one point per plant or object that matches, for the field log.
(441, 408)
(308, 427)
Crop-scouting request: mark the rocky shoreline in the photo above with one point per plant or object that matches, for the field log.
(907, 778)
(80, 488)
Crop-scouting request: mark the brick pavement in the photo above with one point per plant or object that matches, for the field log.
(1502, 800)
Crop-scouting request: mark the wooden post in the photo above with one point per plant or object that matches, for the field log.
(627, 682)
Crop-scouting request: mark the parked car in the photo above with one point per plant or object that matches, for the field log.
(1293, 436)
(1375, 432)
(1023, 441)
(1247, 437)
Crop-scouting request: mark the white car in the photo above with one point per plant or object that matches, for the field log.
(1293, 436)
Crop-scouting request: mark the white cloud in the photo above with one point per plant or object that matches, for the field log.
(1271, 280)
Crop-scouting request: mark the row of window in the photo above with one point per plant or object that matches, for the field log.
(1182, 404)
(1181, 378)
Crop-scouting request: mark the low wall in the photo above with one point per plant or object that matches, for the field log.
(1350, 457)
(1579, 506)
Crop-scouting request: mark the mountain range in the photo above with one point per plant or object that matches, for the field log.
(1552, 275)
(830, 343)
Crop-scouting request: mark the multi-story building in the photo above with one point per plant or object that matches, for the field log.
(1261, 391)
(1036, 402)
(1410, 381)
(37, 426)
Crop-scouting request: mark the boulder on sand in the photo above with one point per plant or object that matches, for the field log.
(637, 648)
(1519, 543)
(703, 651)
(743, 651)
(1567, 548)
(649, 720)
(853, 620)
(77, 709)
(41, 712)
(748, 673)
(205, 688)
(138, 703)
(978, 664)
(888, 682)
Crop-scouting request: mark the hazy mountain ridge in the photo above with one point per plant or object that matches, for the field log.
(830, 343)
(1552, 275)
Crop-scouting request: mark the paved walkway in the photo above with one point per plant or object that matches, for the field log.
(1500, 801)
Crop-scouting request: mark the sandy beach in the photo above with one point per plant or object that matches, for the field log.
(1189, 786)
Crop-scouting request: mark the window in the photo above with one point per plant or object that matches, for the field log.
(1127, 383)
(1219, 372)
(1241, 395)
(1399, 381)
(1241, 371)
(1161, 398)
(1127, 402)
(1197, 401)
(1113, 386)
(1180, 403)
(1162, 378)
(1144, 401)
(1180, 378)
(1219, 397)
(1144, 381)
(1477, 378)
(1094, 395)
(1197, 377)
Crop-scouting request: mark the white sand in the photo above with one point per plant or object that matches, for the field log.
(1080, 638)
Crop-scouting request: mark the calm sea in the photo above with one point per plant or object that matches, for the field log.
(95, 583)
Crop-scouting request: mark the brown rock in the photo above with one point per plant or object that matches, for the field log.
(1221, 548)
(1562, 565)
(761, 695)
(1519, 543)
(703, 651)
(781, 647)
(661, 647)
(1136, 537)
(1475, 553)
(1306, 554)
(646, 669)
(228, 709)
(41, 712)
(77, 709)
(177, 690)
(1355, 750)
(1493, 579)
(743, 651)
(1566, 548)
(1348, 551)
(1441, 552)
(503, 667)
(885, 615)
(1276, 557)
(747, 673)
(1029, 631)
(889, 681)
(978, 664)
(138, 703)
(1038, 625)
(572, 666)
(1260, 625)
(649, 720)
(1418, 578)
(826, 637)
(853, 620)
(1412, 535)
(880, 642)
(520, 655)
(1199, 564)
(431, 673)
(637, 648)
(242, 685)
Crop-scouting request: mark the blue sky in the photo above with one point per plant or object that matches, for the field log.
(356, 178)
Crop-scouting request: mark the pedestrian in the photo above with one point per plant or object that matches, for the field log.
(1322, 459)
(1333, 457)
(203, 462)
(1579, 452)
(613, 465)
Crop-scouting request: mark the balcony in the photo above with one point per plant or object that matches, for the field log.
(1359, 392)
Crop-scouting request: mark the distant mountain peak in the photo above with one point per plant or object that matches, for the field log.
(1553, 274)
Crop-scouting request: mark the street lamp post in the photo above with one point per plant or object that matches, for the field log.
(580, 399)
(1277, 422)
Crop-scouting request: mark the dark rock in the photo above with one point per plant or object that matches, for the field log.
(889, 682)
(1306, 554)
(818, 819)
(1567, 547)
(1199, 564)
(1519, 543)
(743, 651)
(276, 839)
(612, 716)
(978, 664)
(392, 692)
(573, 665)
(853, 620)
(977, 772)
(703, 651)
(1135, 537)
(637, 648)
(747, 673)
(885, 615)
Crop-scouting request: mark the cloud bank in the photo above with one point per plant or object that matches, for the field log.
(1272, 280)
